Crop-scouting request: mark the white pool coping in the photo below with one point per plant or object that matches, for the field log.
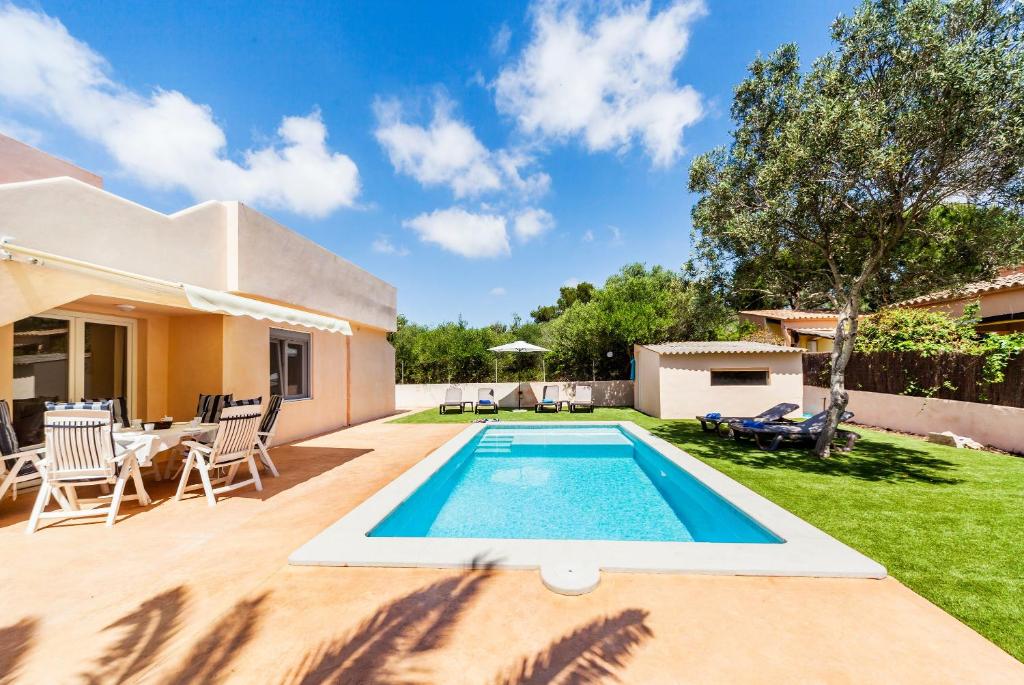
(806, 551)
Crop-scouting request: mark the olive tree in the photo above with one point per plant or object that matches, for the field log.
(920, 103)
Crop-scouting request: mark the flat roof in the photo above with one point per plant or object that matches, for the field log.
(719, 347)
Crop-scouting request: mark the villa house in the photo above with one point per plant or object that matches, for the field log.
(1001, 300)
(102, 297)
(813, 331)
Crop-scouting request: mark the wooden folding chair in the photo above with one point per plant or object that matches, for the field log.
(217, 463)
(81, 453)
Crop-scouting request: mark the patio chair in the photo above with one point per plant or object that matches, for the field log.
(582, 399)
(209, 406)
(233, 446)
(549, 400)
(485, 401)
(17, 464)
(265, 434)
(80, 452)
(775, 414)
(452, 400)
(769, 436)
(118, 408)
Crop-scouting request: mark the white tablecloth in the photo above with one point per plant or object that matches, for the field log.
(163, 439)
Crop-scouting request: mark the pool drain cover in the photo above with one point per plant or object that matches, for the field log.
(570, 579)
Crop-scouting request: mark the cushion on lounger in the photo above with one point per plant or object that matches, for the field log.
(547, 400)
(484, 402)
(747, 423)
(713, 415)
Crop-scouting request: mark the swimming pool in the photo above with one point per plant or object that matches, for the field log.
(577, 498)
(567, 483)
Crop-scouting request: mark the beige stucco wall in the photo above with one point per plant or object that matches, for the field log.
(195, 361)
(281, 265)
(372, 379)
(686, 390)
(21, 162)
(218, 245)
(993, 304)
(647, 390)
(246, 373)
(995, 425)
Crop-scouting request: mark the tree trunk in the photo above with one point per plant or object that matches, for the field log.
(846, 331)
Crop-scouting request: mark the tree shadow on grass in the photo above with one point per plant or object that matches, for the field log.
(15, 642)
(589, 654)
(871, 459)
(145, 631)
(413, 624)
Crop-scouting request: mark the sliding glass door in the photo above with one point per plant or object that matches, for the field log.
(65, 356)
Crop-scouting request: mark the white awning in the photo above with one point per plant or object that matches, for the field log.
(225, 303)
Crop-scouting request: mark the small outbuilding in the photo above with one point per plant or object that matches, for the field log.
(679, 380)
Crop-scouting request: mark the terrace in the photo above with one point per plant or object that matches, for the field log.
(196, 594)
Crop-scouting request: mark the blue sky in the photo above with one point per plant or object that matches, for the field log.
(477, 155)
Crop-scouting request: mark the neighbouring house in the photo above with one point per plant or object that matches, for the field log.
(101, 297)
(813, 331)
(679, 380)
(1001, 300)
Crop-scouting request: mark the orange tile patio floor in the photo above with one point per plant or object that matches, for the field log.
(179, 592)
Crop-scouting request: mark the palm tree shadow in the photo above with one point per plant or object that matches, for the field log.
(213, 653)
(146, 631)
(870, 460)
(15, 643)
(413, 624)
(589, 654)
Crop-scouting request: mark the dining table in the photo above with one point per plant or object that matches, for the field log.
(150, 443)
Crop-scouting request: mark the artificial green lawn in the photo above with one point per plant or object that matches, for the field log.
(945, 522)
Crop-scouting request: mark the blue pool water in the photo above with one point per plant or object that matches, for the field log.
(567, 483)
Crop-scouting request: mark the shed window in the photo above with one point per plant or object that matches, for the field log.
(289, 364)
(751, 377)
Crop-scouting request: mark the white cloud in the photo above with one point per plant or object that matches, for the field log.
(531, 223)
(383, 245)
(571, 283)
(499, 44)
(497, 292)
(163, 139)
(447, 152)
(19, 131)
(588, 236)
(606, 77)
(464, 233)
(616, 238)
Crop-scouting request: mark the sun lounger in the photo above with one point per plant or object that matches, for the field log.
(769, 436)
(549, 400)
(452, 400)
(714, 421)
(485, 401)
(582, 400)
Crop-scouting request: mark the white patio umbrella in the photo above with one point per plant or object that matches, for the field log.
(519, 347)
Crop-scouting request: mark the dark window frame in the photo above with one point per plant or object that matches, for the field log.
(724, 380)
(304, 341)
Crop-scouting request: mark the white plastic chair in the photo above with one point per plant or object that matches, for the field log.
(81, 453)
(233, 446)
